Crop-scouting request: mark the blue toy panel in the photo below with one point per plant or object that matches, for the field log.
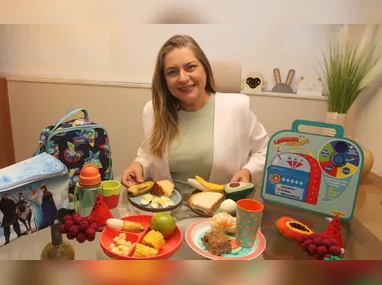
(288, 183)
(313, 172)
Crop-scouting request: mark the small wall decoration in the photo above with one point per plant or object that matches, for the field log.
(254, 81)
(283, 87)
(310, 86)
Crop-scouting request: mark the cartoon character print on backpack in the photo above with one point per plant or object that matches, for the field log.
(93, 158)
(72, 154)
(85, 136)
(106, 147)
(81, 122)
(73, 175)
(108, 174)
(53, 149)
(86, 147)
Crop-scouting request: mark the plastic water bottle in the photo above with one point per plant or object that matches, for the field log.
(87, 189)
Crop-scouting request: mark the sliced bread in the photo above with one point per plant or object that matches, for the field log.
(206, 202)
(162, 188)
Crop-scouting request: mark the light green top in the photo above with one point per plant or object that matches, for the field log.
(191, 153)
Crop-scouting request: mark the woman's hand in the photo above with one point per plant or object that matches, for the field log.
(243, 175)
(132, 175)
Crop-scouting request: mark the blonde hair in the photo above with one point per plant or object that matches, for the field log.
(164, 103)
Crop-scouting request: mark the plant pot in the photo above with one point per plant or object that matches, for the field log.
(334, 118)
(368, 161)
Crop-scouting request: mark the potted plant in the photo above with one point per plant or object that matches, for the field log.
(349, 67)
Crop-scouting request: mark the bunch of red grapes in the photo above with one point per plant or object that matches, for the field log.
(79, 228)
(319, 246)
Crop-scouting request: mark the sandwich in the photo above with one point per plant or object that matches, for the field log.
(206, 202)
(162, 188)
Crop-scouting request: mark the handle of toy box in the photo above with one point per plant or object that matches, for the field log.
(339, 129)
(71, 113)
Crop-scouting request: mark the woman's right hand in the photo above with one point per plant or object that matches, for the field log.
(132, 175)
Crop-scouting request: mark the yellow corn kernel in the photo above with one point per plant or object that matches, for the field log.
(144, 251)
(154, 239)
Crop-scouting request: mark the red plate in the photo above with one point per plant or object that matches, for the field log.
(167, 251)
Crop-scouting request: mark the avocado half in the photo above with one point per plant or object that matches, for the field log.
(238, 190)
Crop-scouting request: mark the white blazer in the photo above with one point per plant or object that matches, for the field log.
(240, 141)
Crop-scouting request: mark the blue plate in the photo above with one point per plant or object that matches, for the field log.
(176, 198)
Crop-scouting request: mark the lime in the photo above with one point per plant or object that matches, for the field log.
(163, 223)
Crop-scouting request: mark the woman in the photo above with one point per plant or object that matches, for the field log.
(48, 206)
(190, 129)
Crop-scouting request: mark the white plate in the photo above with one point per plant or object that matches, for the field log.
(197, 230)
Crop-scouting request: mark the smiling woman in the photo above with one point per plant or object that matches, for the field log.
(190, 129)
(186, 79)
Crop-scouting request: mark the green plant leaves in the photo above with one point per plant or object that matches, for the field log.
(346, 66)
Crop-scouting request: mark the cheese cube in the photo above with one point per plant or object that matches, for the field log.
(121, 242)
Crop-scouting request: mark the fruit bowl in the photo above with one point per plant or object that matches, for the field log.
(171, 246)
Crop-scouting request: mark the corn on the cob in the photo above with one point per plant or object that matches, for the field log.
(144, 251)
(154, 239)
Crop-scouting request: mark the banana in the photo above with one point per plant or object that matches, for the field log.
(139, 189)
(209, 185)
(194, 183)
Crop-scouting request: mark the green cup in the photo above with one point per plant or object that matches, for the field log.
(248, 218)
(111, 190)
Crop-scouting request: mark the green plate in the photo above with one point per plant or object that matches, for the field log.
(176, 198)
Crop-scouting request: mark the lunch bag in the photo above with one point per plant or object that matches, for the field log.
(78, 142)
(31, 193)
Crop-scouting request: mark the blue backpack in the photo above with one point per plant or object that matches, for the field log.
(78, 142)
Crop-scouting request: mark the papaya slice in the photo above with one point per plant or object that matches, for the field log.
(291, 228)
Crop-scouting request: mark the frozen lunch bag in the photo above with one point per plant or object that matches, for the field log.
(31, 193)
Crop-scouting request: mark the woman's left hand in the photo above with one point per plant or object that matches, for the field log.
(243, 175)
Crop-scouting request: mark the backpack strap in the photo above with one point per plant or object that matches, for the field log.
(42, 141)
(71, 113)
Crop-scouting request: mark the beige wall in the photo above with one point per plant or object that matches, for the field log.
(35, 105)
(365, 123)
(102, 55)
(365, 117)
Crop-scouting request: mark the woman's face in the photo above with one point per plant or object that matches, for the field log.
(185, 75)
